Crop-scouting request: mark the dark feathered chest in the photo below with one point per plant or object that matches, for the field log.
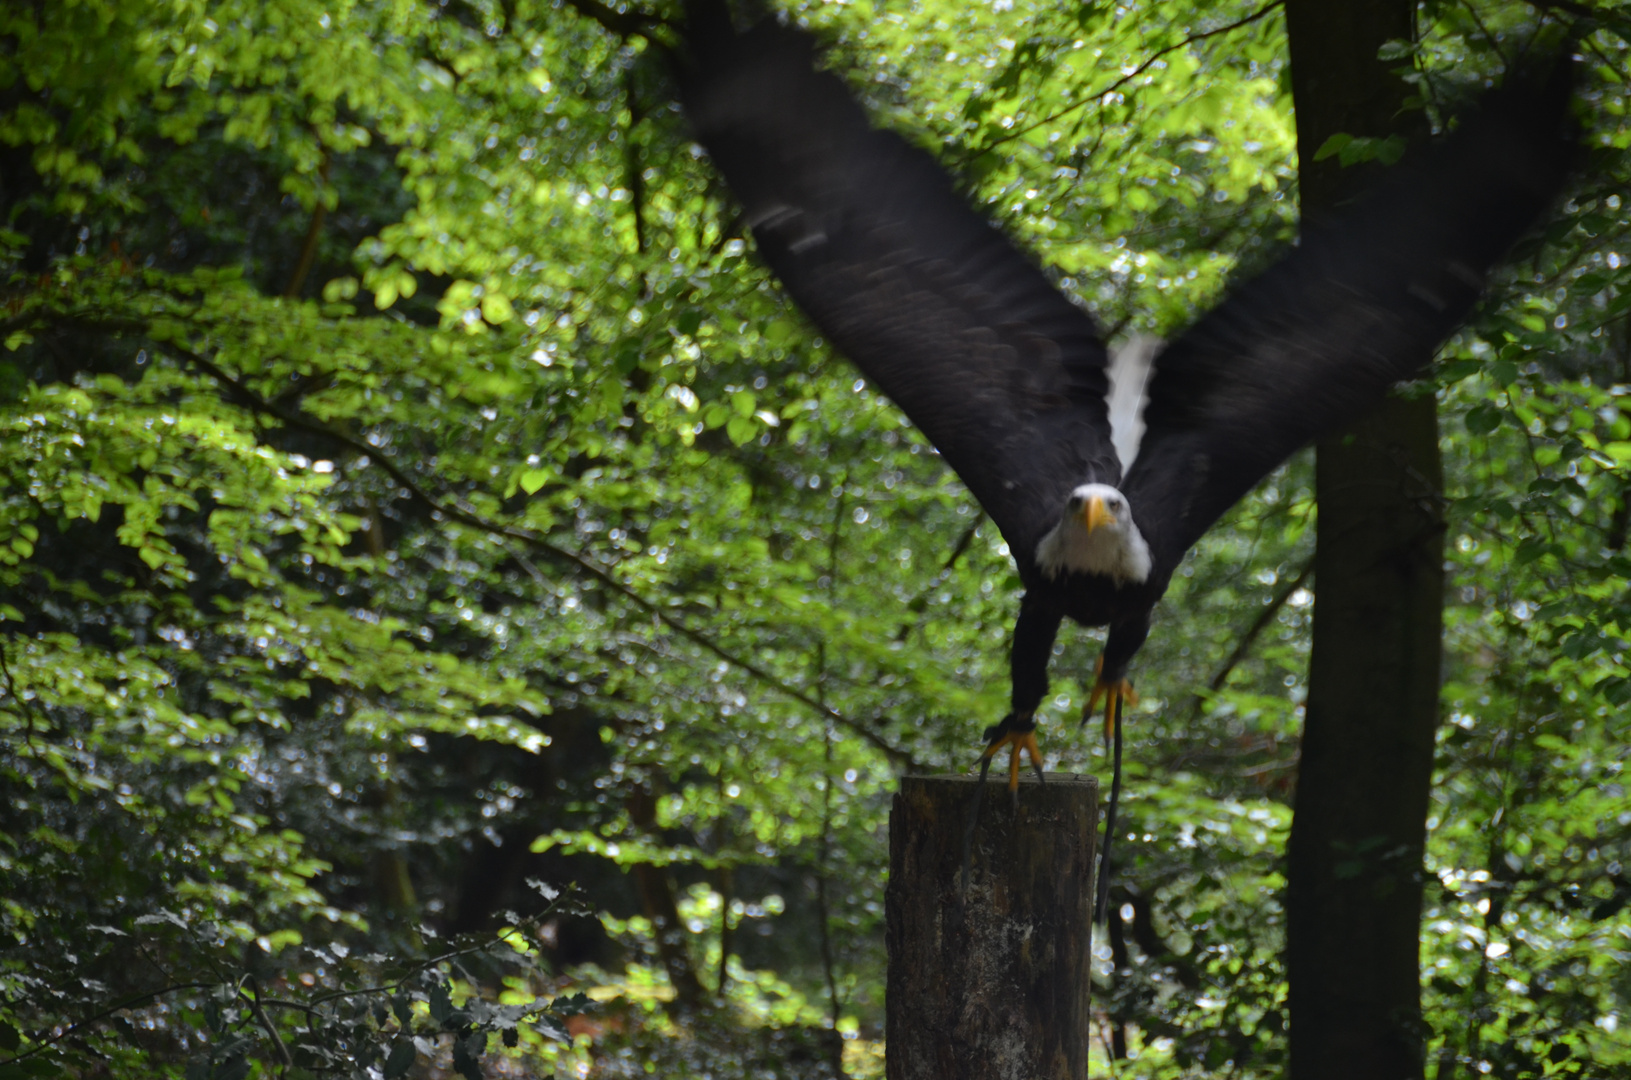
(1092, 599)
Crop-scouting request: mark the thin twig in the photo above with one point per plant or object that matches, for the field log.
(1244, 645)
(1609, 66)
(254, 999)
(823, 911)
(1581, 11)
(634, 166)
(824, 849)
(1260, 13)
(314, 232)
(1489, 38)
(127, 1003)
(921, 600)
(430, 962)
(27, 707)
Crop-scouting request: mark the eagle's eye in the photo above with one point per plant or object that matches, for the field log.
(1075, 502)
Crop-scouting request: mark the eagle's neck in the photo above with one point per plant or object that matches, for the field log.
(1119, 554)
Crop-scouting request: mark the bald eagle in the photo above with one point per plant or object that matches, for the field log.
(1101, 470)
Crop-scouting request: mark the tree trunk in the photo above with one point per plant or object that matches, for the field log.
(996, 983)
(1355, 866)
(662, 908)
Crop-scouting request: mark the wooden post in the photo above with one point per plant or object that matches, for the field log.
(993, 984)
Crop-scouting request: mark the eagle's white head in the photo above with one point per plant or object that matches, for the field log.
(1096, 535)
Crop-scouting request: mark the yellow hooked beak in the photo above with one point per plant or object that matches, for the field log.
(1095, 514)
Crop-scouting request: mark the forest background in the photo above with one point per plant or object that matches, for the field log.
(457, 618)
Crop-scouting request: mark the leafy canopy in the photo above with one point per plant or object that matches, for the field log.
(412, 485)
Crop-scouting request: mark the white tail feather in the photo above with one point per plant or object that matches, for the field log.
(1130, 367)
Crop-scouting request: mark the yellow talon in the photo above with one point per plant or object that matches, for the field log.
(1018, 742)
(1112, 692)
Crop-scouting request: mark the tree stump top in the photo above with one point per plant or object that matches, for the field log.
(991, 983)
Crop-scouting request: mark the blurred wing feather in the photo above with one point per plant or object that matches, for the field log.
(1362, 303)
(1002, 373)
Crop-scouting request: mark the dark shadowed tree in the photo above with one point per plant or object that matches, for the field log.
(1367, 754)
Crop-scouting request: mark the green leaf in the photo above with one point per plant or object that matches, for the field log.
(533, 479)
(441, 1004)
(1530, 550)
(1457, 368)
(1483, 419)
(467, 1055)
(496, 308)
(1389, 150)
(741, 430)
(1333, 145)
(400, 1059)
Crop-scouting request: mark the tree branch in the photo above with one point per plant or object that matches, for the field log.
(254, 1000)
(1244, 646)
(314, 232)
(424, 965)
(125, 1003)
(624, 24)
(465, 516)
(27, 707)
(921, 601)
(1260, 13)
(1610, 19)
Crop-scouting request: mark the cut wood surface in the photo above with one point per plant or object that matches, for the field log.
(995, 983)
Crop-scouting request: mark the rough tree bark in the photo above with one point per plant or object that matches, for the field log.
(995, 983)
(1354, 898)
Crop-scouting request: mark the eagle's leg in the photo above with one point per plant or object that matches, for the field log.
(1034, 632)
(1113, 692)
(1110, 682)
(1038, 625)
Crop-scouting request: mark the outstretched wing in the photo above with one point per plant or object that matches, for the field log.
(1361, 303)
(1002, 373)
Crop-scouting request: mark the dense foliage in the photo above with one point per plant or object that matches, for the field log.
(441, 577)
